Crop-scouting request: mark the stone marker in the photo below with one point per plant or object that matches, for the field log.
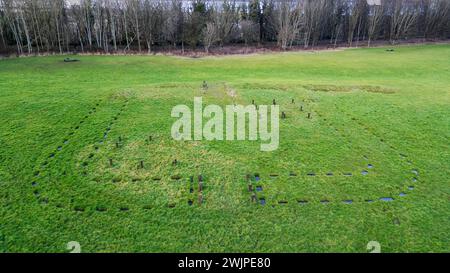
(254, 199)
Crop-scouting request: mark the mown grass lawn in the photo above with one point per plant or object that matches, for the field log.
(371, 164)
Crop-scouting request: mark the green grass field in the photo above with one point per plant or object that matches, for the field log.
(372, 163)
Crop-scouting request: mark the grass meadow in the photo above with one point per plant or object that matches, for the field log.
(86, 154)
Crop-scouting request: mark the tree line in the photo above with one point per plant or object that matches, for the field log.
(39, 26)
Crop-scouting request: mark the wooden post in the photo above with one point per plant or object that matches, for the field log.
(200, 186)
(142, 164)
(274, 102)
(110, 162)
(200, 199)
(309, 115)
(283, 115)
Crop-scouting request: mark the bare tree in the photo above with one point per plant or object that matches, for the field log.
(437, 13)
(112, 25)
(209, 35)
(112, 19)
(9, 7)
(375, 18)
(357, 9)
(289, 18)
(2, 26)
(135, 7)
(314, 11)
(337, 20)
(57, 7)
(403, 17)
(249, 31)
(226, 21)
(173, 22)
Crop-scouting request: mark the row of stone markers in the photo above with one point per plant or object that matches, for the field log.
(255, 187)
(40, 168)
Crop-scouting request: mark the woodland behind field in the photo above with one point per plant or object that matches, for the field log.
(146, 26)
